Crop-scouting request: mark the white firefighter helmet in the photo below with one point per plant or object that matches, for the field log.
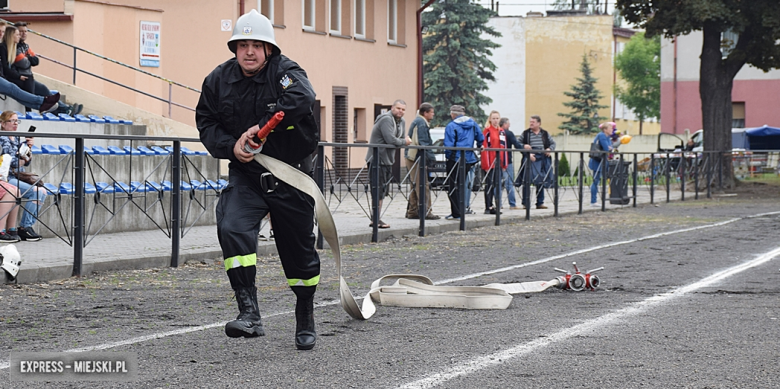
(10, 260)
(253, 26)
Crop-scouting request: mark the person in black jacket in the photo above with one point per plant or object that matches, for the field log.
(29, 100)
(238, 98)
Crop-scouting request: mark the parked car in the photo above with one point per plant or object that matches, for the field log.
(437, 174)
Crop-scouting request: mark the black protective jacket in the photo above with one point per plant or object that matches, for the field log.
(230, 103)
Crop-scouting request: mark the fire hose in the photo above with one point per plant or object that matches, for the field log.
(411, 290)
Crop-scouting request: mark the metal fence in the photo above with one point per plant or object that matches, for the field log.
(174, 192)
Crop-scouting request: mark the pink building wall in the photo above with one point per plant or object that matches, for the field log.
(761, 98)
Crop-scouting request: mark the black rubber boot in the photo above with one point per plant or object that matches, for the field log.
(248, 323)
(305, 335)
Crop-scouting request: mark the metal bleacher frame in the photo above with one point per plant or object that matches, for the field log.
(80, 169)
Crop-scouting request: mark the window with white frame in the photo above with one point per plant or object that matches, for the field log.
(392, 21)
(308, 14)
(267, 9)
(335, 16)
(360, 18)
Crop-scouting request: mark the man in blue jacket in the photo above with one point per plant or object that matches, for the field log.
(462, 131)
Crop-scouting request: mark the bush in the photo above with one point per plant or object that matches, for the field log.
(563, 167)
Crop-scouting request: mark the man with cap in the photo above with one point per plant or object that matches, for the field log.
(462, 131)
(239, 97)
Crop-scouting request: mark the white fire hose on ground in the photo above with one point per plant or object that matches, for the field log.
(412, 290)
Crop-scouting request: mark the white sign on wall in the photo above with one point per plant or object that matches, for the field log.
(150, 44)
(227, 25)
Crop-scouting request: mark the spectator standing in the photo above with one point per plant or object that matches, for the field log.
(389, 129)
(495, 138)
(20, 157)
(509, 177)
(537, 138)
(238, 98)
(598, 165)
(462, 131)
(420, 128)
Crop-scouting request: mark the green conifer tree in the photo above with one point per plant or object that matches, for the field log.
(584, 117)
(456, 62)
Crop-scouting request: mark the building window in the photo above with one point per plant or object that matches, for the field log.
(267, 9)
(738, 115)
(309, 7)
(360, 18)
(728, 40)
(392, 21)
(359, 134)
(335, 16)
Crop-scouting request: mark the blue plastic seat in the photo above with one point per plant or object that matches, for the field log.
(167, 185)
(145, 150)
(137, 186)
(222, 184)
(121, 187)
(96, 119)
(89, 188)
(51, 188)
(50, 149)
(53, 91)
(66, 188)
(100, 150)
(197, 185)
(89, 151)
(153, 185)
(104, 187)
(185, 186)
(35, 149)
(110, 120)
(131, 151)
(66, 118)
(125, 121)
(160, 151)
(81, 118)
(116, 150)
(21, 115)
(65, 149)
(34, 116)
(187, 151)
(50, 116)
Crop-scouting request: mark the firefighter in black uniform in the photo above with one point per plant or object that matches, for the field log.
(237, 99)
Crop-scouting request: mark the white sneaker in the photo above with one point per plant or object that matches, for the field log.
(595, 205)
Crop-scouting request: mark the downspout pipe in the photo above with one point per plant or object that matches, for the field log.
(420, 83)
(241, 7)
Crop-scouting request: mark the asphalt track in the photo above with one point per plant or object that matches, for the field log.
(690, 299)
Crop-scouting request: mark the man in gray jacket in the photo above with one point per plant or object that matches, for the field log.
(389, 129)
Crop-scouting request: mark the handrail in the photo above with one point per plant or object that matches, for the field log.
(75, 69)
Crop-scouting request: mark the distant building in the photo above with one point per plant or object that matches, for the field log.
(539, 59)
(754, 96)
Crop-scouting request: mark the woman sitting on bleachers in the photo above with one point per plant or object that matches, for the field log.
(21, 157)
(8, 195)
(29, 100)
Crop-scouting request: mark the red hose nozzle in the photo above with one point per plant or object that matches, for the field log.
(267, 128)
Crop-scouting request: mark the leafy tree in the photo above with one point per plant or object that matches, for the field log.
(456, 62)
(640, 66)
(757, 24)
(584, 118)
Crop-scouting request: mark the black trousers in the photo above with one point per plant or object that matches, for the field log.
(490, 187)
(243, 205)
(453, 185)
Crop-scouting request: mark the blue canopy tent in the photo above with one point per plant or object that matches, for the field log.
(739, 139)
(763, 138)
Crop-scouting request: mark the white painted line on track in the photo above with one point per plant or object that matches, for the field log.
(487, 361)
(160, 335)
